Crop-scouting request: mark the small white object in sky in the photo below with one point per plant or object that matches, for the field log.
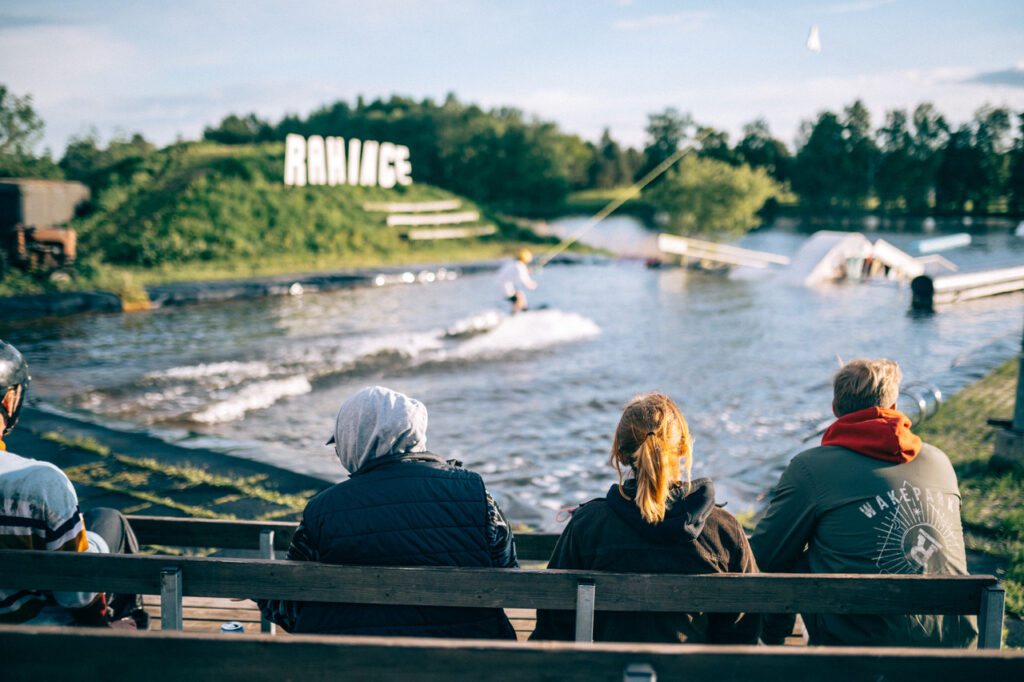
(814, 40)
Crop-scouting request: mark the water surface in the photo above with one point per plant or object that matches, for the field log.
(531, 403)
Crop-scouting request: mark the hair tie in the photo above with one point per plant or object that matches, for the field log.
(649, 434)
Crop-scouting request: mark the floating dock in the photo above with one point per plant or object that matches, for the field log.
(969, 285)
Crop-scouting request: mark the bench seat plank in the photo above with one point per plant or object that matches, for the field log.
(478, 587)
(28, 654)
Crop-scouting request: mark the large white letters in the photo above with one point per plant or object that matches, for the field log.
(335, 161)
(386, 175)
(295, 160)
(316, 171)
(320, 161)
(368, 174)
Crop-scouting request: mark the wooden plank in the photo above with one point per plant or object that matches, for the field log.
(433, 218)
(413, 207)
(161, 530)
(990, 617)
(28, 654)
(481, 587)
(188, 532)
(450, 232)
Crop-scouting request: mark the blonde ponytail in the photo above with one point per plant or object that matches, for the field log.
(653, 440)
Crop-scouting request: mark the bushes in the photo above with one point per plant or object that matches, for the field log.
(209, 202)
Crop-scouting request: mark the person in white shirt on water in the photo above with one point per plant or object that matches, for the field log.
(514, 278)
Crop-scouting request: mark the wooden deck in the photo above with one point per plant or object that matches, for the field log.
(207, 614)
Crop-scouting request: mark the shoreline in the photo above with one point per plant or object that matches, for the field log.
(35, 306)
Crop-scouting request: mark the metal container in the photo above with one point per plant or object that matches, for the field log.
(232, 627)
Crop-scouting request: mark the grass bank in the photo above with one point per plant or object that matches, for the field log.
(202, 211)
(993, 497)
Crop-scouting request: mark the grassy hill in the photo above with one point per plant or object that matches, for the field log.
(201, 210)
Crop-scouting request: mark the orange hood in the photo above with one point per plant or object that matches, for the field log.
(876, 432)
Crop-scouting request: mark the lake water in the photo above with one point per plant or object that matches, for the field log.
(532, 401)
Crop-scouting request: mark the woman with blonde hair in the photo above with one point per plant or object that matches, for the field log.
(654, 520)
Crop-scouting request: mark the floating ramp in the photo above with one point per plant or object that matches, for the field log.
(968, 285)
(829, 256)
(720, 253)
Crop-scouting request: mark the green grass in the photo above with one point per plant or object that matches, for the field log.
(993, 496)
(151, 482)
(201, 211)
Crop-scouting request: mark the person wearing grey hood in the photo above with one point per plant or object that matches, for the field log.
(401, 506)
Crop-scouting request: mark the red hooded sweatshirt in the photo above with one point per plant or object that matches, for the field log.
(877, 432)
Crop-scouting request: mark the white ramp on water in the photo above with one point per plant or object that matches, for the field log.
(823, 257)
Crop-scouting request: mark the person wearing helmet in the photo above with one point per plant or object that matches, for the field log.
(39, 510)
(514, 277)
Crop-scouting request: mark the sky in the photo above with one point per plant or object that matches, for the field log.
(168, 69)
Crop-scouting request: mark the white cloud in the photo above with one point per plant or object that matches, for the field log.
(687, 21)
(864, 6)
(51, 61)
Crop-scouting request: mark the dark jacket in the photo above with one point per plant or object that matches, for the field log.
(695, 537)
(409, 509)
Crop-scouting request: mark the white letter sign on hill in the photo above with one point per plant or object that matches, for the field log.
(321, 161)
(295, 160)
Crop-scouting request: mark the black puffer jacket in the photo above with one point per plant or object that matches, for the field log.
(412, 509)
(695, 537)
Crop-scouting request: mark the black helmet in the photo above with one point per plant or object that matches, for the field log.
(13, 373)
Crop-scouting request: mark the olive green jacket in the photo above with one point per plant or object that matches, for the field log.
(837, 511)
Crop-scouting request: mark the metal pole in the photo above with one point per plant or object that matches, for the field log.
(585, 602)
(267, 552)
(170, 598)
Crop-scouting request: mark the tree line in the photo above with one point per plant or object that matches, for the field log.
(916, 162)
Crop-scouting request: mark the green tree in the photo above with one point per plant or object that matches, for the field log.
(84, 158)
(958, 173)
(893, 180)
(861, 155)
(235, 129)
(992, 126)
(758, 149)
(931, 132)
(1015, 183)
(835, 165)
(714, 144)
(610, 167)
(667, 132)
(710, 198)
(21, 129)
(818, 169)
(975, 164)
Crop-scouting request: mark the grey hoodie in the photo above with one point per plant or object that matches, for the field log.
(375, 422)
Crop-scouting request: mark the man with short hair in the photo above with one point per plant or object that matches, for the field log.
(871, 499)
(39, 510)
(401, 506)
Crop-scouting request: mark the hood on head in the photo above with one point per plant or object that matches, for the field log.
(685, 515)
(877, 432)
(375, 422)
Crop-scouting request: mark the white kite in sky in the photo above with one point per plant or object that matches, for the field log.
(814, 40)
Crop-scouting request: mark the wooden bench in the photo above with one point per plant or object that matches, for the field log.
(582, 591)
(87, 655)
(266, 535)
(264, 538)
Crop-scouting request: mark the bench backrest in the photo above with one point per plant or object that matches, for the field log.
(49, 653)
(224, 534)
(583, 591)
